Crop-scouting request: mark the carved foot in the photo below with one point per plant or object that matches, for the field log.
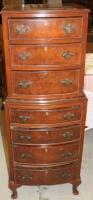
(75, 191)
(13, 187)
(75, 185)
(14, 194)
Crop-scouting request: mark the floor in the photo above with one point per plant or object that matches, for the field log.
(59, 192)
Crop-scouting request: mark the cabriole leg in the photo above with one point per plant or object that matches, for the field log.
(75, 185)
(13, 187)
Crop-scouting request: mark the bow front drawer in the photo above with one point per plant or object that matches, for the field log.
(46, 154)
(66, 82)
(46, 176)
(54, 54)
(45, 117)
(41, 29)
(45, 136)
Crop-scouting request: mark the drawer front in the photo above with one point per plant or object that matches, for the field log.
(22, 116)
(64, 54)
(45, 154)
(46, 82)
(39, 29)
(46, 176)
(45, 136)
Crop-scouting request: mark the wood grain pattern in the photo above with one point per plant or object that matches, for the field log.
(46, 82)
(65, 54)
(46, 176)
(46, 154)
(28, 136)
(40, 29)
(55, 116)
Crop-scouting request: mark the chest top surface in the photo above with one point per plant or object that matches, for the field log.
(45, 9)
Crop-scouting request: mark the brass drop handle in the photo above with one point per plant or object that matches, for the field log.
(66, 175)
(67, 154)
(24, 118)
(22, 29)
(25, 138)
(24, 84)
(69, 116)
(66, 82)
(24, 56)
(67, 54)
(26, 156)
(26, 178)
(69, 28)
(68, 135)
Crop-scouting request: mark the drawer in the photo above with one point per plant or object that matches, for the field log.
(47, 176)
(65, 82)
(43, 117)
(45, 136)
(46, 154)
(42, 29)
(54, 54)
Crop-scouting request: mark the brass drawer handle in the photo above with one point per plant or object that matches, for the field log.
(67, 54)
(24, 56)
(69, 116)
(22, 29)
(24, 118)
(69, 28)
(68, 135)
(26, 178)
(26, 156)
(67, 154)
(24, 84)
(25, 138)
(66, 175)
(66, 82)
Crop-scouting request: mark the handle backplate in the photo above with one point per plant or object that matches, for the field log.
(25, 138)
(66, 82)
(69, 116)
(69, 28)
(24, 56)
(24, 84)
(68, 135)
(66, 175)
(67, 154)
(24, 118)
(22, 29)
(67, 54)
(26, 156)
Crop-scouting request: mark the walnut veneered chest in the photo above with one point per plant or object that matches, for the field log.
(45, 106)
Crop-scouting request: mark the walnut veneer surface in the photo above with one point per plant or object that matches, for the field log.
(45, 106)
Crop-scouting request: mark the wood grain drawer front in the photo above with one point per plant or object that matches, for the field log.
(46, 117)
(46, 176)
(45, 136)
(54, 54)
(46, 82)
(45, 154)
(48, 28)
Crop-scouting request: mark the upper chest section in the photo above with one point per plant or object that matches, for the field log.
(41, 26)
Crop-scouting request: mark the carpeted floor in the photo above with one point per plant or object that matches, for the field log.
(59, 192)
